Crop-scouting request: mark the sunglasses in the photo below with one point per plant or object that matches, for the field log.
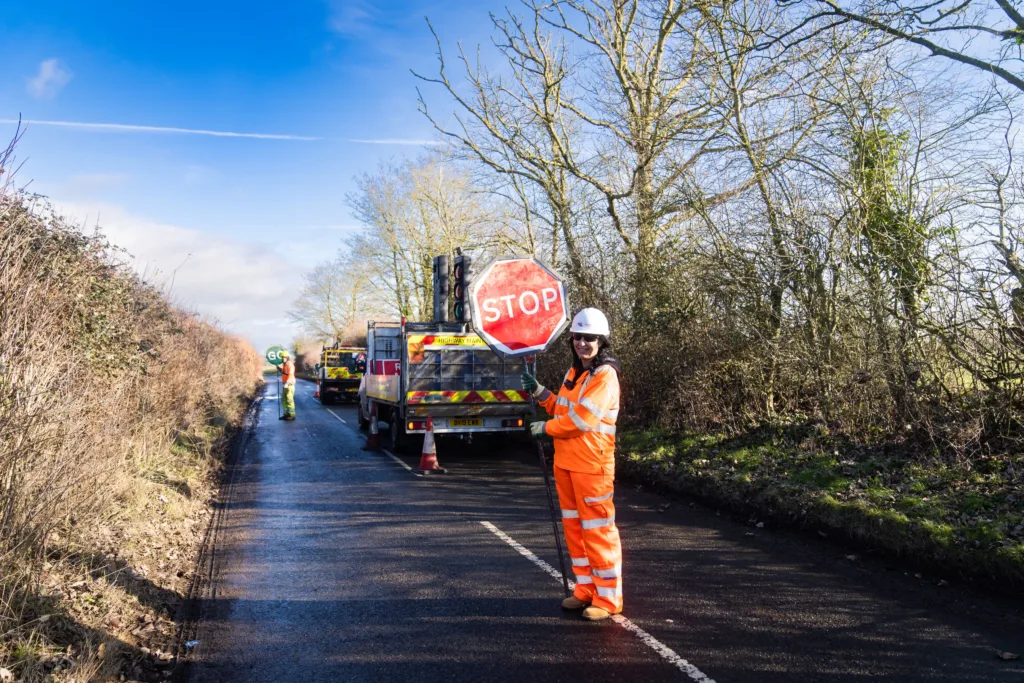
(576, 336)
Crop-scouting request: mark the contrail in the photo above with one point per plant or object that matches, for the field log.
(160, 129)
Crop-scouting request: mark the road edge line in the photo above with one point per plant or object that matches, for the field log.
(664, 651)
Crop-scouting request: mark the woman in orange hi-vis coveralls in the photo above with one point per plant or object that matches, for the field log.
(583, 428)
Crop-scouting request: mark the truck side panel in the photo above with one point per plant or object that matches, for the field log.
(383, 372)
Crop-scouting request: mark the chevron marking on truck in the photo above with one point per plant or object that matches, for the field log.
(507, 396)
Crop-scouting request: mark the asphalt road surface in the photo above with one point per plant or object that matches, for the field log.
(337, 564)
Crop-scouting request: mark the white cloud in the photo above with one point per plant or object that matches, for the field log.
(246, 287)
(52, 77)
(349, 17)
(131, 128)
(86, 183)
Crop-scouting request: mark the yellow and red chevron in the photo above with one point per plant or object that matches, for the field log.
(501, 396)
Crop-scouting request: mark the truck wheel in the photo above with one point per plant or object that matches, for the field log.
(396, 432)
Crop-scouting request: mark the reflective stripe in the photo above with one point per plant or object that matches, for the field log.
(570, 514)
(580, 561)
(605, 429)
(592, 375)
(606, 573)
(593, 407)
(584, 578)
(598, 499)
(598, 523)
(609, 592)
(578, 421)
(563, 401)
(613, 415)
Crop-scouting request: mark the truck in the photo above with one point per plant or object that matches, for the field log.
(443, 371)
(339, 373)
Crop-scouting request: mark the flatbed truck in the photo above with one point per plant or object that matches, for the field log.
(440, 370)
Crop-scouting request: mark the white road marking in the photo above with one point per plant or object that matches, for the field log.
(336, 415)
(399, 461)
(384, 450)
(526, 553)
(666, 653)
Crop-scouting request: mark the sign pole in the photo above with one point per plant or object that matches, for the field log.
(547, 485)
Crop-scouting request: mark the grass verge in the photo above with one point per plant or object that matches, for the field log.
(965, 520)
(106, 602)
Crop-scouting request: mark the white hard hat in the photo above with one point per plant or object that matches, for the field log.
(590, 321)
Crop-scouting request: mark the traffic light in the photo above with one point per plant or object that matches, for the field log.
(463, 278)
(440, 289)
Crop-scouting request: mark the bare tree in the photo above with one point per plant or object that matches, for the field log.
(605, 93)
(412, 212)
(331, 299)
(983, 34)
(772, 103)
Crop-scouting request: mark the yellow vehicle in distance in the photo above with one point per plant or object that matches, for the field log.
(339, 373)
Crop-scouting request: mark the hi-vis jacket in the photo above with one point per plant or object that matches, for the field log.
(584, 420)
(288, 372)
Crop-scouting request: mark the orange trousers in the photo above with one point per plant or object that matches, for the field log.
(588, 517)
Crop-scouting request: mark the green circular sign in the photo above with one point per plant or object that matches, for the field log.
(274, 354)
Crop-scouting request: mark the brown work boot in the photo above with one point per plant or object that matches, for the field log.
(596, 613)
(572, 602)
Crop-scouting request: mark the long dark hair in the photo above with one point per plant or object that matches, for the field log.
(604, 357)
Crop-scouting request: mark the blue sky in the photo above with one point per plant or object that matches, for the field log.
(236, 220)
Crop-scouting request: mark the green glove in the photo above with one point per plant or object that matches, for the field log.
(537, 429)
(530, 383)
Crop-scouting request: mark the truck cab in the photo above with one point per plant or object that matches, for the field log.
(339, 373)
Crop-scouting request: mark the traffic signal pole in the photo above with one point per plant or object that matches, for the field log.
(547, 486)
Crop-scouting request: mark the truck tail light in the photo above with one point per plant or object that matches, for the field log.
(512, 423)
(417, 424)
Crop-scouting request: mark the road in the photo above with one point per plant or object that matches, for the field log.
(337, 564)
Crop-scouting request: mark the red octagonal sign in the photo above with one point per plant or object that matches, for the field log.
(518, 305)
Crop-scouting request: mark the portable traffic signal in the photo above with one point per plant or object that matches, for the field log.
(440, 289)
(462, 275)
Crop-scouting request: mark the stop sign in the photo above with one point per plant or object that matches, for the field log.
(518, 305)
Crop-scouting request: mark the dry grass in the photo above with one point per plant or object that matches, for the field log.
(114, 408)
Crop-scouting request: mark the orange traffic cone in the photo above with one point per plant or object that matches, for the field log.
(428, 459)
(316, 394)
(373, 440)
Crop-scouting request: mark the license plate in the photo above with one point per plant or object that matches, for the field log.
(465, 422)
